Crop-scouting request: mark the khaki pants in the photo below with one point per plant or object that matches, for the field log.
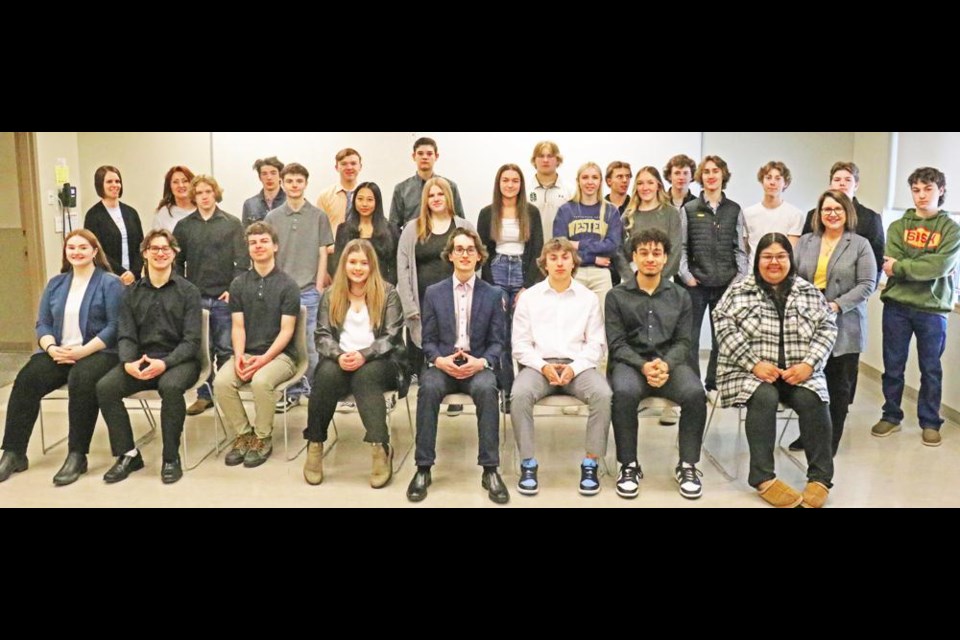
(597, 280)
(264, 383)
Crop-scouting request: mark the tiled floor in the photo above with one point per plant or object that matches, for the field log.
(894, 472)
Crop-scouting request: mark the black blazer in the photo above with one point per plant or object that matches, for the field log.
(102, 225)
(531, 249)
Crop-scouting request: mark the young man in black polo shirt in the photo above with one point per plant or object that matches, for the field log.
(158, 342)
(264, 303)
(212, 254)
(648, 321)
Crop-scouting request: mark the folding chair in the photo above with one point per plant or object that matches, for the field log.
(784, 413)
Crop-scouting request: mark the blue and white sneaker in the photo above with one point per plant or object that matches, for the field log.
(528, 484)
(589, 481)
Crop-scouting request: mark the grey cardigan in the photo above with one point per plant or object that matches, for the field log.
(851, 279)
(407, 285)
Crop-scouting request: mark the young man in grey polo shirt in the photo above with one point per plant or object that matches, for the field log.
(407, 196)
(264, 306)
(304, 233)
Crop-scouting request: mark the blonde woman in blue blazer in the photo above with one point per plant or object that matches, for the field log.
(77, 336)
(842, 265)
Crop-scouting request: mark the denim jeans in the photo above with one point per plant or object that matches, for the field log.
(900, 323)
(221, 345)
(311, 300)
(508, 275)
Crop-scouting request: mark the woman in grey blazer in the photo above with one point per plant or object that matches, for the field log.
(842, 265)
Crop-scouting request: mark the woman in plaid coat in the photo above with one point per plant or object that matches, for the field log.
(776, 333)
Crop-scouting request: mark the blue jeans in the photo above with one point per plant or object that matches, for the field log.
(221, 346)
(311, 300)
(507, 274)
(900, 323)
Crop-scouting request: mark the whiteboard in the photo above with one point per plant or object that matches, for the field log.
(470, 159)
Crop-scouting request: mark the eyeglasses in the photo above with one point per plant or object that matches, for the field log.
(459, 251)
(160, 250)
(833, 210)
(780, 257)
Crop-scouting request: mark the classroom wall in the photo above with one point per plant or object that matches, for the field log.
(52, 146)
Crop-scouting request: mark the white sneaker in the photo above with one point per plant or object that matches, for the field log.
(346, 407)
(670, 416)
(689, 480)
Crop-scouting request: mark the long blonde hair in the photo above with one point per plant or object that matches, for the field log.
(634, 205)
(578, 195)
(376, 292)
(426, 216)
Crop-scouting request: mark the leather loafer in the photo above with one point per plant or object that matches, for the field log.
(72, 469)
(417, 490)
(171, 472)
(493, 483)
(122, 468)
(11, 463)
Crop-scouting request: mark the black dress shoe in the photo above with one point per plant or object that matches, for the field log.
(493, 483)
(72, 469)
(171, 472)
(417, 490)
(11, 463)
(123, 467)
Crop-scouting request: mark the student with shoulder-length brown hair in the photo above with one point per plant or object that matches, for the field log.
(77, 336)
(359, 337)
(116, 225)
(176, 203)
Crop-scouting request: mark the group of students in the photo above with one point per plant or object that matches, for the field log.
(518, 308)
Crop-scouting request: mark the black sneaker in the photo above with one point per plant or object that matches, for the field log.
(689, 480)
(589, 481)
(528, 484)
(454, 410)
(796, 445)
(628, 483)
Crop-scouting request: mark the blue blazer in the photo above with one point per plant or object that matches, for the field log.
(99, 311)
(487, 322)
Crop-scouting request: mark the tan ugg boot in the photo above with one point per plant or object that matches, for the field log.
(815, 495)
(313, 468)
(781, 495)
(382, 466)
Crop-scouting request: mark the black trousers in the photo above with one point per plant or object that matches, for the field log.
(761, 427)
(367, 384)
(841, 372)
(482, 388)
(40, 376)
(174, 382)
(704, 300)
(683, 387)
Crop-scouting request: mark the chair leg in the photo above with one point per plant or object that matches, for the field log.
(795, 460)
(152, 421)
(397, 466)
(43, 438)
(713, 459)
(286, 438)
(214, 449)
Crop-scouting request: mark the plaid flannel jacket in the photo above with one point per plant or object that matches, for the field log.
(748, 332)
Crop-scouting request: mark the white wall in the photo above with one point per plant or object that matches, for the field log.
(809, 156)
(52, 146)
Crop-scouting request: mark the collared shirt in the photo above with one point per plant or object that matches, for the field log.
(212, 252)
(161, 323)
(302, 235)
(463, 305)
(548, 200)
(256, 208)
(642, 327)
(408, 196)
(263, 301)
(335, 202)
(553, 325)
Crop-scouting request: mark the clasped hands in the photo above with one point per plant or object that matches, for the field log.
(769, 373)
(464, 371)
(558, 375)
(657, 373)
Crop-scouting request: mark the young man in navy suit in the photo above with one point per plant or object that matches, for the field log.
(464, 326)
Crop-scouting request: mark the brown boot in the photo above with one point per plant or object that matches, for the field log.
(198, 407)
(814, 495)
(780, 494)
(313, 469)
(382, 466)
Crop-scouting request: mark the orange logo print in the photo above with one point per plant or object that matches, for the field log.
(921, 238)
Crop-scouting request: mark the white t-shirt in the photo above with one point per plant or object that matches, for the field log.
(71, 335)
(167, 218)
(510, 244)
(760, 221)
(117, 217)
(356, 334)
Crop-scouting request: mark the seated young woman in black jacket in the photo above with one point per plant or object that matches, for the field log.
(359, 338)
